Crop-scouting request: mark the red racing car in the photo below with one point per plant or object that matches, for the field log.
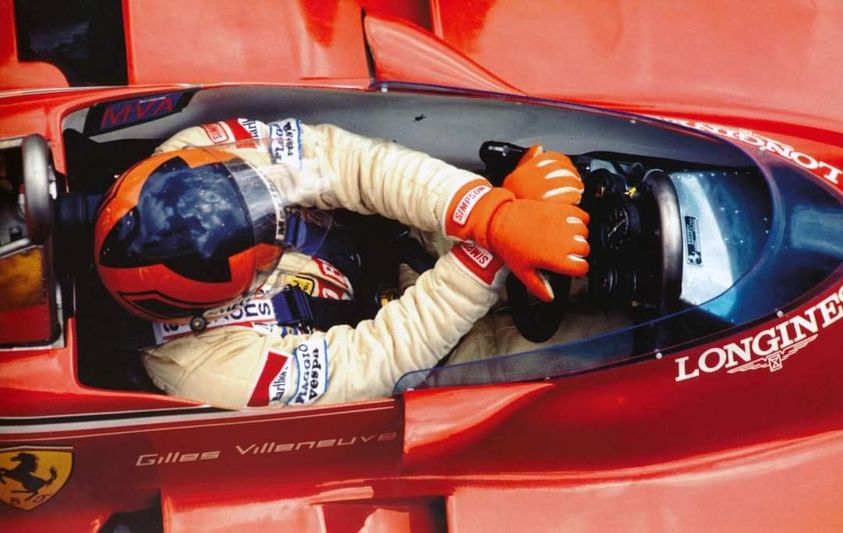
(709, 400)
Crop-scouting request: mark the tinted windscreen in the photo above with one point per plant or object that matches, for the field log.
(803, 248)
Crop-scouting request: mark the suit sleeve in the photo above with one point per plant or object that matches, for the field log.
(235, 367)
(377, 176)
(328, 167)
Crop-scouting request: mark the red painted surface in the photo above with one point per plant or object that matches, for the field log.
(42, 382)
(242, 462)
(783, 61)
(472, 414)
(596, 426)
(824, 159)
(627, 448)
(533, 443)
(16, 74)
(783, 486)
(345, 510)
(405, 52)
(266, 41)
(292, 42)
(25, 326)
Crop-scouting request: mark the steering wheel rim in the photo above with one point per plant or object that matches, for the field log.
(667, 204)
(39, 186)
(536, 320)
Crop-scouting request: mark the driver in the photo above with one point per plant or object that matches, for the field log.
(202, 228)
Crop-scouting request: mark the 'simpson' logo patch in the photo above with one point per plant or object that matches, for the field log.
(468, 202)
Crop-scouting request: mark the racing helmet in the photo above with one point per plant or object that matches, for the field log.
(183, 234)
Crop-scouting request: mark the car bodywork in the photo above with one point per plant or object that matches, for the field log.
(733, 426)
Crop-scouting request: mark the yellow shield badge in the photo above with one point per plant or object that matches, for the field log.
(31, 475)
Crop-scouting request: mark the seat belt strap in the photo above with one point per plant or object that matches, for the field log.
(294, 307)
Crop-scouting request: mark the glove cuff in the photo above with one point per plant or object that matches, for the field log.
(480, 264)
(471, 210)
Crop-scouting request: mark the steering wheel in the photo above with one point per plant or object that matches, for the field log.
(636, 237)
(536, 320)
(39, 182)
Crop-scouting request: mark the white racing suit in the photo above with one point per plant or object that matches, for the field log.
(236, 366)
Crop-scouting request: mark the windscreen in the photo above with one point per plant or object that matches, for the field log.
(801, 249)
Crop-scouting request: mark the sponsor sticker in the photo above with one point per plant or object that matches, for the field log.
(312, 363)
(768, 348)
(774, 361)
(216, 132)
(323, 288)
(272, 382)
(692, 241)
(112, 116)
(328, 291)
(785, 151)
(478, 261)
(248, 128)
(271, 329)
(467, 203)
(481, 256)
(31, 475)
(308, 285)
(285, 142)
(333, 274)
(244, 313)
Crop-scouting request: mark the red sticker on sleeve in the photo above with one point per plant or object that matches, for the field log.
(272, 382)
(216, 133)
(332, 273)
(479, 261)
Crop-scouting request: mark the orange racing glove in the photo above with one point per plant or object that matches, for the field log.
(526, 234)
(547, 176)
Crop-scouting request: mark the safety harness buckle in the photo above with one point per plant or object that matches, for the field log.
(292, 309)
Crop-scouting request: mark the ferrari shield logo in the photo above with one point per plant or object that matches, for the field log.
(30, 475)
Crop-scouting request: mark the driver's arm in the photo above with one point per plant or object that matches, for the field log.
(327, 167)
(235, 367)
